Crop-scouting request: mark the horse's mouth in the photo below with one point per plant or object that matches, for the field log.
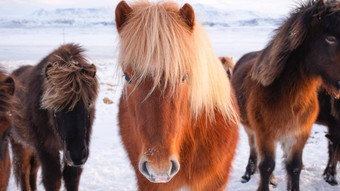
(159, 179)
(68, 160)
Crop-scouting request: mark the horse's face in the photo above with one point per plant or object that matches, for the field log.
(160, 120)
(6, 92)
(74, 128)
(228, 65)
(323, 41)
(4, 154)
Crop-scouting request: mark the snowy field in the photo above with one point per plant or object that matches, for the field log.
(108, 168)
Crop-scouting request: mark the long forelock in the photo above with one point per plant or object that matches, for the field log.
(155, 43)
(66, 85)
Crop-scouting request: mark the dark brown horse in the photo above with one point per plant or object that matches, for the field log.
(6, 101)
(57, 109)
(178, 120)
(276, 88)
(329, 115)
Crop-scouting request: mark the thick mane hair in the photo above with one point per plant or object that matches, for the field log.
(154, 48)
(6, 98)
(69, 79)
(273, 58)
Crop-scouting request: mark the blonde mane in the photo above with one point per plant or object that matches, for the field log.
(156, 42)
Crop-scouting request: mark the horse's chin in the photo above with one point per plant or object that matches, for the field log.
(159, 179)
(68, 161)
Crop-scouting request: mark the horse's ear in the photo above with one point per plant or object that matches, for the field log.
(223, 59)
(122, 13)
(9, 86)
(90, 71)
(271, 61)
(321, 4)
(320, 9)
(49, 65)
(188, 14)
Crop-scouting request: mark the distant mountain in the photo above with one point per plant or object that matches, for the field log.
(77, 17)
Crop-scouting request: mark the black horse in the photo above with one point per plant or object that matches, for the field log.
(55, 113)
(329, 115)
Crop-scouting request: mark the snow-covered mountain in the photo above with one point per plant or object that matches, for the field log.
(81, 17)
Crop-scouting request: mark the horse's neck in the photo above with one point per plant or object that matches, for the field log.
(296, 82)
(203, 126)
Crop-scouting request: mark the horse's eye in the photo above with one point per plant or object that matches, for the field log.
(184, 78)
(127, 78)
(330, 40)
(6, 139)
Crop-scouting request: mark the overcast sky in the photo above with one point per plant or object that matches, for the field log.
(26, 7)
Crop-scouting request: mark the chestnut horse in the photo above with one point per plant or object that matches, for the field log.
(6, 101)
(228, 65)
(276, 88)
(56, 113)
(329, 115)
(178, 120)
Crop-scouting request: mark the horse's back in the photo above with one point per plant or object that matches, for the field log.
(22, 71)
(239, 77)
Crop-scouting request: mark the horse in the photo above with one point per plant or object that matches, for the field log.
(7, 87)
(228, 65)
(177, 120)
(276, 88)
(329, 116)
(56, 112)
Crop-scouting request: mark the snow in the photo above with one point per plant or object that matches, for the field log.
(84, 17)
(108, 168)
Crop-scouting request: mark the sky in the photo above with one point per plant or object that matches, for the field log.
(21, 8)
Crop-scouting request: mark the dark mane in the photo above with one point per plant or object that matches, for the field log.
(6, 99)
(69, 79)
(291, 35)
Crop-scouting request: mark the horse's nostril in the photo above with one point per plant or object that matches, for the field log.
(174, 168)
(144, 169)
(84, 153)
(338, 85)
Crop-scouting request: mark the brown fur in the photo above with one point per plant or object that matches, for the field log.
(277, 88)
(68, 82)
(6, 101)
(160, 131)
(62, 87)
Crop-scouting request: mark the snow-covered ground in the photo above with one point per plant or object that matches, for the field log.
(108, 168)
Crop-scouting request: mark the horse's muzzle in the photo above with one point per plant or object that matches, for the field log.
(163, 174)
(76, 160)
